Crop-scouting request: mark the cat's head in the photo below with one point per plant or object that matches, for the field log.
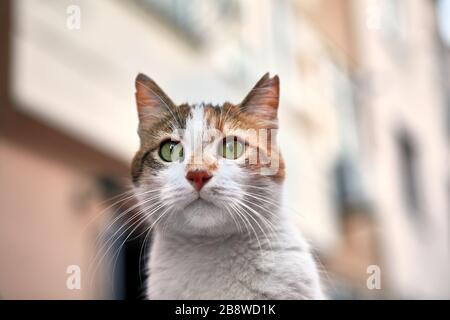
(206, 169)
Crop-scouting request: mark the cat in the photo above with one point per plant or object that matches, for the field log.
(211, 193)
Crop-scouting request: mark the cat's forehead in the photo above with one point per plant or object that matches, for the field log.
(219, 117)
(189, 120)
(207, 117)
(201, 116)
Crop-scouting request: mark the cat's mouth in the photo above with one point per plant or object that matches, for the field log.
(200, 201)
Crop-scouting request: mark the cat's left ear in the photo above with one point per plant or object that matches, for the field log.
(262, 101)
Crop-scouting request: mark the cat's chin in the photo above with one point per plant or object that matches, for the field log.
(203, 217)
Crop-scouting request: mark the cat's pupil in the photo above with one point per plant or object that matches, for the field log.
(232, 149)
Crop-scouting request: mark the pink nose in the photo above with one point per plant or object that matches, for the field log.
(198, 178)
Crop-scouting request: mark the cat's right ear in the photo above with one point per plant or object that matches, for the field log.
(151, 101)
(262, 101)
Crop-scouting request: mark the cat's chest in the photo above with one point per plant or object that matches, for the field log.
(201, 272)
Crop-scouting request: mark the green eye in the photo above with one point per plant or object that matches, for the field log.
(231, 148)
(171, 151)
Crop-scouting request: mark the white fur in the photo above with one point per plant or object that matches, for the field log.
(232, 267)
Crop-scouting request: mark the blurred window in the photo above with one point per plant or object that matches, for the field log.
(443, 27)
(443, 17)
(194, 18)
(351, 194)
(408, 168)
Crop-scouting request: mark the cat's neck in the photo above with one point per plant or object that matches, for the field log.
(254, 234)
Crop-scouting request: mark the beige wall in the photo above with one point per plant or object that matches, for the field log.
(403, 92)
(332, 19)
(43, 225)
(50, 208)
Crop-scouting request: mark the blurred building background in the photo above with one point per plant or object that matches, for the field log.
(365, 127)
